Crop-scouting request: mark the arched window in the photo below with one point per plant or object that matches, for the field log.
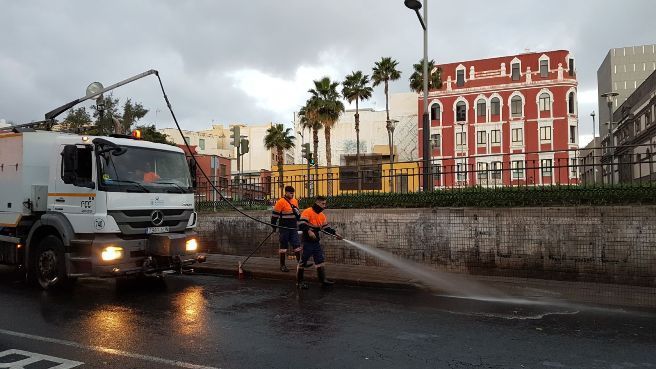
(461, 111)
(570, 103)
(435, 112)
(495, 106)
(516, 106)
(545, 102)
(480, 108)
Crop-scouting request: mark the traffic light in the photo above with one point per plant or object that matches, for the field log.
(234, 136)
(311, 158)
(305, 151)
(244, 146)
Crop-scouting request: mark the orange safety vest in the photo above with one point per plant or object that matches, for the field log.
(283, 213)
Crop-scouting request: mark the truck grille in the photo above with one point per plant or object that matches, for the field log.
(133, 222)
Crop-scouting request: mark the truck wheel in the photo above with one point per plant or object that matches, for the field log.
(48, 264)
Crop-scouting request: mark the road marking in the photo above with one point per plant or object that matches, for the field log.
(33, 358)
(106, 350)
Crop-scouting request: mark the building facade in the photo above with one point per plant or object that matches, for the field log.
(504, 121)
(631, 157)
(622, 71)
(216, 141)
(373, 132)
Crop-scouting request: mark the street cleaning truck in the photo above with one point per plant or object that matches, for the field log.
(88, 206)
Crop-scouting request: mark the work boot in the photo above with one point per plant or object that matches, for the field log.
(321, 272)
(283, 267)
(298, 259)
(299, 279)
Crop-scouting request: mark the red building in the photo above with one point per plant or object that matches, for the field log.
(217, 168)
(505, 121)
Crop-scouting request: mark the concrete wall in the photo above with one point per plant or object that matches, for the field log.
(600, 244)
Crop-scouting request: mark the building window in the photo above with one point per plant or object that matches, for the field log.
(437, 170)
(496, 169)
(517, 169)
(461, 111)
(544, 68)
(517, 135)
(480, 108)
(572, 134)
(495, 136)
(547, 166)
(436, 141)
(460, 78)
(573, 168)
(545, 134)
(515, 72)
(482, 171)
(571, 67)
(516, 106)
(187, 140)
(495, 106)
(435, 112)
(461, 168)
(545, 102)
(461, 138)
(570, 103)
(481, 137)
(201, 143)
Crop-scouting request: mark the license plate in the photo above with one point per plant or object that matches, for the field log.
(151, 230)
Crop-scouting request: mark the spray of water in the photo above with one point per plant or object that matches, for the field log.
(439, 281)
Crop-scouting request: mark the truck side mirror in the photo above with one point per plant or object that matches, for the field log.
(69, 164)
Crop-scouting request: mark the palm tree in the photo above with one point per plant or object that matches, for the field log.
(279, 138)
(434, 82)
(383, 72)
(309, 120)
(356, 88)
(330, 108)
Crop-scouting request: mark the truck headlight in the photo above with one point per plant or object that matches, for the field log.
(191, 245)
(110, 253)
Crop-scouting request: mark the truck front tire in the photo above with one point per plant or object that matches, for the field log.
(48, 266)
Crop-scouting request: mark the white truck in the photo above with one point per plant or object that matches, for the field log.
(83, 206)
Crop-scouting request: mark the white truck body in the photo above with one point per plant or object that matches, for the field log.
(93, 206)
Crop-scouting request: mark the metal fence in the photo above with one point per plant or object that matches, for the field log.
(590, 167)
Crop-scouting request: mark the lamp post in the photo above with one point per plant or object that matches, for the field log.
(594, 148)
(609, 101)
(425, 125)
(463, 141)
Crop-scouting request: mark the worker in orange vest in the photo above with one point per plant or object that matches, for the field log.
(313, 222)
(286, 214)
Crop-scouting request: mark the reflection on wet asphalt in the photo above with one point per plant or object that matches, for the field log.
(223, 322)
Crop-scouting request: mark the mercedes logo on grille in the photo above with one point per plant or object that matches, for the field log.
(157, 218)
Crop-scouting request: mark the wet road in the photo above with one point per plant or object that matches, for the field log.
(215, 322)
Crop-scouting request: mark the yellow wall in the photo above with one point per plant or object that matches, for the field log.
(296, 175)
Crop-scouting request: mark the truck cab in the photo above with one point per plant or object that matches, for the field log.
(84, 206)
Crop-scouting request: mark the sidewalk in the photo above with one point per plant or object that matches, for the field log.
(389, 277)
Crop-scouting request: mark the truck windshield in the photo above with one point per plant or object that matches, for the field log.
(144, 170)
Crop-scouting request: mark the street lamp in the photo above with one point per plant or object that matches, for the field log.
(391, 125)
(425, 125)
(594, 144)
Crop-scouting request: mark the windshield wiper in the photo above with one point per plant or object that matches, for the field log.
(182, 190)
(139, 185)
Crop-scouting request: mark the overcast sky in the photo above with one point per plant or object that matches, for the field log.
(252, 61)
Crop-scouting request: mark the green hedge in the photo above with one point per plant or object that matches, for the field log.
(498, 197)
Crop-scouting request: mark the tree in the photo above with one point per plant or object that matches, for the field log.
(356, 88)
(279, 138)
(108, 119)
(417, 82)
(310, 120)
(383, 72)
(77, 119)
(330, 108)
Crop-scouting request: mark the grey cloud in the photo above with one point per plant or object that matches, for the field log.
(57, 48)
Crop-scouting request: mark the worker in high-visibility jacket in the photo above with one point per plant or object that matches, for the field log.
(286, 215)
(313, 222)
